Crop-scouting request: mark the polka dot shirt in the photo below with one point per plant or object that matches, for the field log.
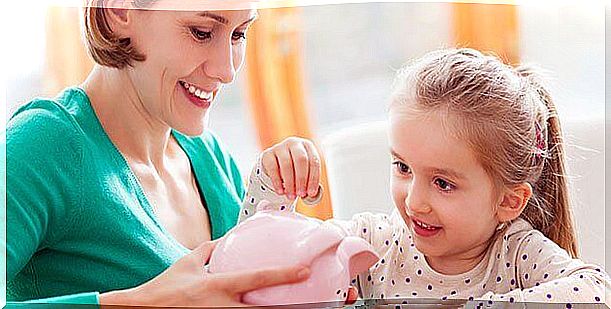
(522, 265)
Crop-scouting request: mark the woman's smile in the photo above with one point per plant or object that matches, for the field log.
(196, 95)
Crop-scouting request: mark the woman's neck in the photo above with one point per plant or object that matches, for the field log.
(135, 132)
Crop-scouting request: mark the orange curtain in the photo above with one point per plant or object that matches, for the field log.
(276, 88)
(487, 27)
(67, 62)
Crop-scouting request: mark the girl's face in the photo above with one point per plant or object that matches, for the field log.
(443, 193)
(189, 56)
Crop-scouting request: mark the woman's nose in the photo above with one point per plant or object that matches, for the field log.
(220, 63)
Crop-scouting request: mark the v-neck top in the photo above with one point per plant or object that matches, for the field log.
(78, 221)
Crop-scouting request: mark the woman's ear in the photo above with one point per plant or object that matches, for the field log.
(118, 16)
(514, 201)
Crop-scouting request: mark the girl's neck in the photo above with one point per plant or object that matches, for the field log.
(135, 132)
(459, 263)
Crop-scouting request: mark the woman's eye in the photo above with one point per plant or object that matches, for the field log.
(200, 35)
(239, 36)
(402, 168)
(443, 185)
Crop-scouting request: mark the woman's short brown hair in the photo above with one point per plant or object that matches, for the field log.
(103, 45)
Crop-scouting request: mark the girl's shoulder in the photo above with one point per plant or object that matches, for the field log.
(520, 243)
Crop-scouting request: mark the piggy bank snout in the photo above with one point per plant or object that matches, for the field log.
(357, 254)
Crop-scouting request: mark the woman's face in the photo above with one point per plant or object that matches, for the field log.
(189, 56)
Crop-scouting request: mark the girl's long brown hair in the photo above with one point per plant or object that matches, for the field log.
(508, 118)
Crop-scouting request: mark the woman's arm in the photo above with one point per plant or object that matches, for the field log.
(186, 283)
(42, 172)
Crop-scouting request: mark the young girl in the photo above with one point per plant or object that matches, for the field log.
(479, 185)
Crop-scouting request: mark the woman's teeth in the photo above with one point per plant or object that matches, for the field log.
(197, 92)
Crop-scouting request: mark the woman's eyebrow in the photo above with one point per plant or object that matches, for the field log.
(251, 19)
(216, 17)
(224, 20)
(395, 154)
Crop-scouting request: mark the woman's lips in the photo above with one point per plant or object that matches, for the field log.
(195, 95)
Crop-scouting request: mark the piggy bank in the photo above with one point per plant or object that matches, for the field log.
(279, 238)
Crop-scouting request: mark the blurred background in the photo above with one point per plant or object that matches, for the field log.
(325, 72)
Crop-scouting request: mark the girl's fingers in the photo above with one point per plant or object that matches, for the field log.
(286, 170)
(299, 156)
(272, 170)
(314, 169)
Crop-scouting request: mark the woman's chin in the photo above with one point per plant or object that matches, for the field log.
(194, 130)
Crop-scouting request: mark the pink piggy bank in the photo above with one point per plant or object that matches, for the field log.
(280, 238)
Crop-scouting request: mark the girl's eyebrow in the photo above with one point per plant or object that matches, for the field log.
(433, 170)
(449, 172)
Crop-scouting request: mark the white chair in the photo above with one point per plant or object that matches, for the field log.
(358, 166)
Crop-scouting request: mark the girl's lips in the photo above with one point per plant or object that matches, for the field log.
(423, 229)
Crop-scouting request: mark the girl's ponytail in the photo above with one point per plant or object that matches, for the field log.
(549, 209)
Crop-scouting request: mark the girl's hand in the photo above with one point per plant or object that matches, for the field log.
(293, 166)
(186, 283)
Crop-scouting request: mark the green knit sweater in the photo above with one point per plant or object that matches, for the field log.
(78, 222)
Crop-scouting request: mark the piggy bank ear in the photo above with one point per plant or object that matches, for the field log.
(317, 241)
(357, 254)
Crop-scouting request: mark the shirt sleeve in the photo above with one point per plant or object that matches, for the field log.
(260, 189)
(42, 167)
(89, 298)
(546, 273)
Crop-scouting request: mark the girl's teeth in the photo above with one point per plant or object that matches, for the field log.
(197, 93)
(192, 89)
(424, 225)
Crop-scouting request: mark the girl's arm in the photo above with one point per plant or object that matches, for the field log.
(260, 195)
(546, 273)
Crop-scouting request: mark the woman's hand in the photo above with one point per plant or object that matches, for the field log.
(186, 283)
(293, 165)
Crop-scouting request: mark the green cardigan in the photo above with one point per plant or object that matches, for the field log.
(78, 222)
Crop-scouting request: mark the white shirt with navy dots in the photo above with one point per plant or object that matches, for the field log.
(522, 265)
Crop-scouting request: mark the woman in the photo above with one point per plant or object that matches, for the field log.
(115, 186)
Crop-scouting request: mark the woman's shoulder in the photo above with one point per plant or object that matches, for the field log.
(59, 113)
(45, 125)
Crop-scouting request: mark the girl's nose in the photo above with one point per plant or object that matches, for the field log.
(416, 199)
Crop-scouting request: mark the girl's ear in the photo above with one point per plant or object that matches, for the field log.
(514, 201)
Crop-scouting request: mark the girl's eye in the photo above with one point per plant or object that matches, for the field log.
(239, 36)
(200, 35)
(402, 168)
(444, 185)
